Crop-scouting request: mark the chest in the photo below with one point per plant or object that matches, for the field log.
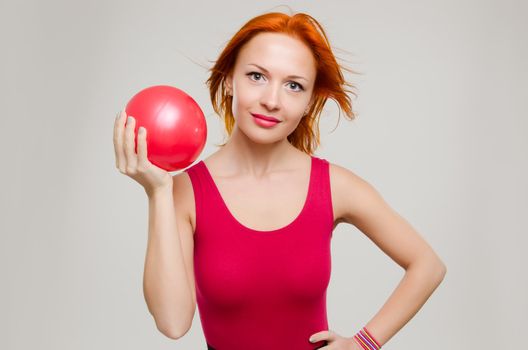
(265, 205)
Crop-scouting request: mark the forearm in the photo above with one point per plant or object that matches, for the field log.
(417, 285)
(165, 283)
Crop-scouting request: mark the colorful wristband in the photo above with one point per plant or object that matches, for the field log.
(366, 340)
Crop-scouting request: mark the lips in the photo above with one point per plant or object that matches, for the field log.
(265, 117)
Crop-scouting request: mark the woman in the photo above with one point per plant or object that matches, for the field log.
(246, 232)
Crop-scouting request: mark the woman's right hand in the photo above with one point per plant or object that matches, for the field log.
(137, 166)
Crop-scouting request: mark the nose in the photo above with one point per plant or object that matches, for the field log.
(271, 97)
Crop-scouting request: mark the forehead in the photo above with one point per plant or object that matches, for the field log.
(278, 53)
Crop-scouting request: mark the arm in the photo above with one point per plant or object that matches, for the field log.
(167, 285)
(168, 281)
(359, 204)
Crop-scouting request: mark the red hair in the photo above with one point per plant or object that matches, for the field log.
(329, 82)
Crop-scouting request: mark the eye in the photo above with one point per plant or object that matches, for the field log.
(300, 87)
(256, 75)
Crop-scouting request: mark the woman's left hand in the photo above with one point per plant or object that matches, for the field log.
(335, 341)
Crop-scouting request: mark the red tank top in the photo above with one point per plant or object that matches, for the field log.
(262, 290)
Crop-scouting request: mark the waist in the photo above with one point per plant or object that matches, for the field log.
(209, 347)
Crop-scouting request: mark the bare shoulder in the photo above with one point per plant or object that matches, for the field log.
(359, 203)
(183, 196)
(350, 193)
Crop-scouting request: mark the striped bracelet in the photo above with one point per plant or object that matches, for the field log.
(366, 340)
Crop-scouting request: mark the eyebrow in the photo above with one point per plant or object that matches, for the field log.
(266, 71)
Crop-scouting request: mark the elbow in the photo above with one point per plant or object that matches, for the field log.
(172, 331)
(432, 268)
(443, 270)
(173, 325)
(438, 270)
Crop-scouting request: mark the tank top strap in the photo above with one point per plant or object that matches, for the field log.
(199, 183)
(208, 203)
(201, 179)
(322, 196)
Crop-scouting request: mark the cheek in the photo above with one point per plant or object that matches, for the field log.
(298, 107)
(244, 101)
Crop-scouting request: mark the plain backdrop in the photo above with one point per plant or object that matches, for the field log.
(441, 133)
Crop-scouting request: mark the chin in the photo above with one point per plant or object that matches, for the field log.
(265, 140)
(263, 137)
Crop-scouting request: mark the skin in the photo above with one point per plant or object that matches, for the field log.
(257, 161)
(260, 84)
(261, 162)
(254, 150)
(255, 153)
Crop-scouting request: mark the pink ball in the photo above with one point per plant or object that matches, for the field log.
(176, 126)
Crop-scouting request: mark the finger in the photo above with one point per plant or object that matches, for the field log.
(318, 336)
(115, 136)
(119, 140)
(130, 145)
(142, 146)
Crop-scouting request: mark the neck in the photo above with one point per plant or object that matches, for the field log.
(257, 159)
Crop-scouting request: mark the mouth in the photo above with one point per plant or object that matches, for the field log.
(265, 117)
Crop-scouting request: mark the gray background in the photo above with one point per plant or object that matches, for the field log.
(441, 133)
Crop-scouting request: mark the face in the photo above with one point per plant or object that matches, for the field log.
(273, 77)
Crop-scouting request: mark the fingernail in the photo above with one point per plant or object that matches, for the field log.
(311, 340)
(129, 120)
